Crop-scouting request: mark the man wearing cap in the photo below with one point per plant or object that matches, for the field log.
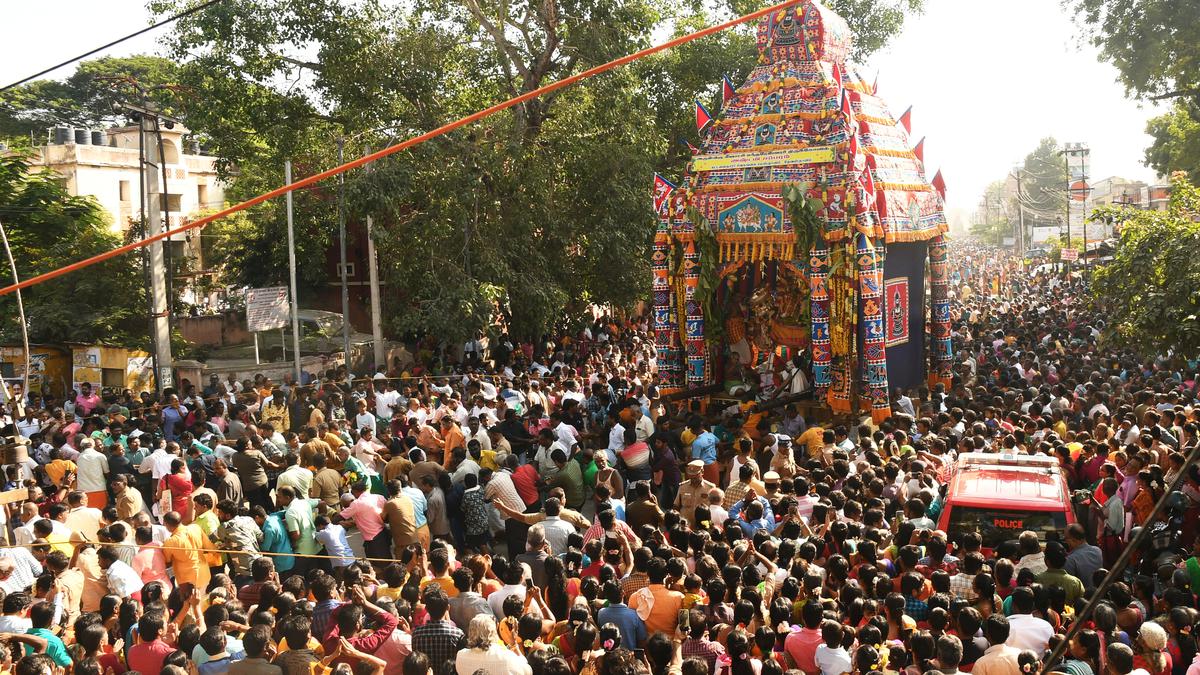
(783, 462)
(694, 492)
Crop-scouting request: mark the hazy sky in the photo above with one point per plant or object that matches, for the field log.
(986, 79)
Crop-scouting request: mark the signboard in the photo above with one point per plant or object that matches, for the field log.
(267, 309)
(744, 160)
(165, 377)
(1008, 523)
(1070, 254)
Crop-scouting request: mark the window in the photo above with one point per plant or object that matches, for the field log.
(201, 196)
(124, 188)
(112, 377)
(996, 526)
(349, 270)
(174, 202)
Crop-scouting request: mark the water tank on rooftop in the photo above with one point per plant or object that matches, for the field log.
(81, 137)
(97, 137)
(61, 135)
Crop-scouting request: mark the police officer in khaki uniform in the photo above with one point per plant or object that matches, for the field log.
(694, 492)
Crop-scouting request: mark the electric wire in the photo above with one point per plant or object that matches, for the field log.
(118, 41)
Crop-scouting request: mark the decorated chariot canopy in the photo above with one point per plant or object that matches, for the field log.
(800, 235)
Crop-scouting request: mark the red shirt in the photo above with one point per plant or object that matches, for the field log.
(147, 657)
(801, 646)
(525, 480)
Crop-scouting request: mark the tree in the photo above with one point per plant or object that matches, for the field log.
(534, 213)
(89, 97)
(998, 215)
(1152, 43)
(47, 228)
(1154, 275)
(1044, 185)
(1176, 144)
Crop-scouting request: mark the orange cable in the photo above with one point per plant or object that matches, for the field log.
(416, 140)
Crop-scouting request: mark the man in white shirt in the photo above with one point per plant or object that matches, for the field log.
(386, 401)
(476, 432)
(158, 463)
(557, 529)
(92, 468)
(1027, 631)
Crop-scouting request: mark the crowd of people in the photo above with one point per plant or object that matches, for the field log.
(540, 509)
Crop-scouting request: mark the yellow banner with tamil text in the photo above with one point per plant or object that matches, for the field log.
(742, 160)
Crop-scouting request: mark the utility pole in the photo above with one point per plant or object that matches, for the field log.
(287, 180)
(152, 201)
(373, 270)
(1020, 217)
(20, 315)
(341, 144)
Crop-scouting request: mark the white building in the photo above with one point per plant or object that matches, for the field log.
(105, 166)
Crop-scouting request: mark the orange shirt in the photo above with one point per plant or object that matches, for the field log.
(182, 552)
(664, 612)
(445, 582)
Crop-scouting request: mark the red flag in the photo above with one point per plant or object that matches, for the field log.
(847, 109)
(703, 117)
(663, 189)
(837, 75)
(853, 147)
(875, 84)
(727, 91)
(919, 151)
(689, 146)
(906, 120)
(939, 184)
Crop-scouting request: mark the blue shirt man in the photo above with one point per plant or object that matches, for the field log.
(276, 540)
(704, 448)
(625, 618)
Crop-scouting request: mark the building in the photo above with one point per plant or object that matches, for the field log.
(105, 165)
(1156, 197)
(1116, 190)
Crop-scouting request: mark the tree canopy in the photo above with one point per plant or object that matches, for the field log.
(1151, 42)
(1154, 276)
(1176, 144)
(47, 228)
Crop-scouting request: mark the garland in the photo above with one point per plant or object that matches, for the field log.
(710, 276)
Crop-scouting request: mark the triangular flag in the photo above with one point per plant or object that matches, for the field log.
(703, 117)
(853, 148)
(875, 84)
(847, 109)
(727, 91)
(939, 184)
(906, 120)
(867, 181)
(837, 75)
(688, 144)
(919, 151)
(663, 189)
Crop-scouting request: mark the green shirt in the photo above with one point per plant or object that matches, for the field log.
(299, 518)
(55, 648)
(1072, 585)
(570, 479)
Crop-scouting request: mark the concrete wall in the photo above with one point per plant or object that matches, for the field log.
(218, 330)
